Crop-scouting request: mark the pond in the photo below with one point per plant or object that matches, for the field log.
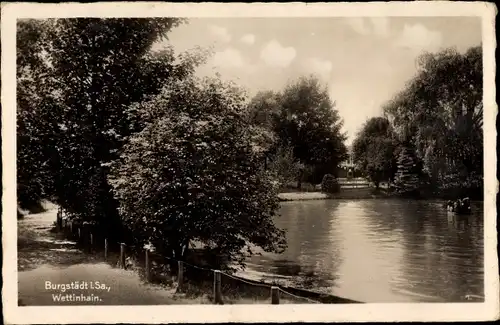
(378, 251)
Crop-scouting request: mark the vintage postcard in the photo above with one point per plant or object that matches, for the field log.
(212, 162)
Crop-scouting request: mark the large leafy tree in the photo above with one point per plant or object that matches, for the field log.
(78, 78)
(374, 150)
(263, 115)
(440, 113)
(264, 109)
(34, 120)
(310, 123)
(262, 112)
(194, 174)
(302, 117)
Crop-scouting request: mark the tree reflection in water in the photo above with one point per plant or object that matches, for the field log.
(379, 250)
(308, 262)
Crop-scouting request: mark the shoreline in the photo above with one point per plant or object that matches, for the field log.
(352, 194)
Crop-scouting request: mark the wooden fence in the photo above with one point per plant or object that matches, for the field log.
(88, 241)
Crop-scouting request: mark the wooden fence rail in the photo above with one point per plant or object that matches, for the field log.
(89, 243)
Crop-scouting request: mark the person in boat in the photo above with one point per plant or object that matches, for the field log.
(451, 206)
(461, 206)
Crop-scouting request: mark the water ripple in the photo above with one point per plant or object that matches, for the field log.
(380, 251)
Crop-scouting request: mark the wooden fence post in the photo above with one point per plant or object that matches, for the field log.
(122, 256)
(275, 296)
(105, 248)
(148, 266)
(217, 289)
(180, 275)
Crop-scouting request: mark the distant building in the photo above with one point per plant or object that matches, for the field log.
(348, 168)
(349, 163)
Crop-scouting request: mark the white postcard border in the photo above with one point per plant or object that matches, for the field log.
(488, 310)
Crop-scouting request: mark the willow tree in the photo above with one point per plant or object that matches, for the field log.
(440, 112)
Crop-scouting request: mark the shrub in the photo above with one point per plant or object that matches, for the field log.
(330, 184)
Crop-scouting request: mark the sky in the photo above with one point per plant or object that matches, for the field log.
(362, 61)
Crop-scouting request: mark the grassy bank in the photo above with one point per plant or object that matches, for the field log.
(370, 193)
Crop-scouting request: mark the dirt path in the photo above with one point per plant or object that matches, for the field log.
(52, 271)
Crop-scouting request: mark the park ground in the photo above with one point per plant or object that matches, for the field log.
(44, 255)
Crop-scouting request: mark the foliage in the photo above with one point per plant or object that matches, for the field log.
(283, 165)
(77, 77)
(303, 117)
(312, 125)
(440, 113)
(407, 180)
(264, 109)
(261, 114)
(374, 150)
(193, 174)
(34, 120)
(330, 184)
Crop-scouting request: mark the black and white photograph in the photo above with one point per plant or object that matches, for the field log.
(233, 164)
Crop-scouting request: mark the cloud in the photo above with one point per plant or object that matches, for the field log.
(229, 58)
(418, 37)
(248, 39)
(274, 54)
(220, 33)
(232, 61)
(318, 66)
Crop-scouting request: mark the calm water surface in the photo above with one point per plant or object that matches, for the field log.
(378, 251)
